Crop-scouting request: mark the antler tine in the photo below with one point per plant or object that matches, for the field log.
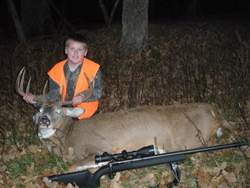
(64, 102)
(89, 94)
(19, 85)
(45, 87)
(43, 100)
(28, 85)
(91, 88)
(22, 78)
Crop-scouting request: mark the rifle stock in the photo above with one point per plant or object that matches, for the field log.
(88, 180)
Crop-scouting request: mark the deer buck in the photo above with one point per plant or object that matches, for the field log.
(169, 128)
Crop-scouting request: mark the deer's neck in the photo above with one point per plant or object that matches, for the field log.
(58, 141)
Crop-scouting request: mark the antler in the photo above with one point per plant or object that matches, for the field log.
(89, 94)
(19, 89)
(19, 86)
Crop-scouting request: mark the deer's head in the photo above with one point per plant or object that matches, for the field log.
(51, 113)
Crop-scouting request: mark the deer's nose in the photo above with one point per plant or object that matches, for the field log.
(45, 120)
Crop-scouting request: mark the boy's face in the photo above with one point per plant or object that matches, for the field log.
(75, 51)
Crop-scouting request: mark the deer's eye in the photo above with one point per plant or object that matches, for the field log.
(41, 110)
(59, 111)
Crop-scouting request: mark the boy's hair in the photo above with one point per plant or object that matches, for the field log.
(77, 38)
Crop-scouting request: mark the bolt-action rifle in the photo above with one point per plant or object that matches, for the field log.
(143, 157)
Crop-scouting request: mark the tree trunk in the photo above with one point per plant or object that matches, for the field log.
(191, 12)
(134, 37)
(16, 20)
(35, 17)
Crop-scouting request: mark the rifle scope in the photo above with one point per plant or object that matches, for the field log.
(143, 152)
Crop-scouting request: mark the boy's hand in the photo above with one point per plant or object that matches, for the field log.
(28, 97)
(77, 100)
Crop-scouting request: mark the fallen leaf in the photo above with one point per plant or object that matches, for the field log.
(149, 178)
(114, 182)
(49, 183)
(46, 172)
(30, 169)
(31, 178)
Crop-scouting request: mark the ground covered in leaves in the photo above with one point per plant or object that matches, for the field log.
(185, 62)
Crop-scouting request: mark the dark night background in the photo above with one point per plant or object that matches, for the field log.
(87, 12)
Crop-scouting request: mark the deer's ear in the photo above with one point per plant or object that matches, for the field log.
(36, 117)
(74, 112)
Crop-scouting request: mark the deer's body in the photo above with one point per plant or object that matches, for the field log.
(168, 128)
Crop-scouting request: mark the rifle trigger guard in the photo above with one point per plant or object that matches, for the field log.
(111, 174)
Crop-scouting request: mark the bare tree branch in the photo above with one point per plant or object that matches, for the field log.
(108, 19)
(61, 15)
(113, 11)
(104, 11)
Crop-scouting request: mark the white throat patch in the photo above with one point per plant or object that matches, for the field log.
(46, 133)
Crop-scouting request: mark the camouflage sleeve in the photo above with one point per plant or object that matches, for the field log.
(54, 91)
(97, 93)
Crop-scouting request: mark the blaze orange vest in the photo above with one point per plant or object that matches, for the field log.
(90, 68)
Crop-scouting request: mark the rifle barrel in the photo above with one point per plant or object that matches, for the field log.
(184, 152)
(191, 151)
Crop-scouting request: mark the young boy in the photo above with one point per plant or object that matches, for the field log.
(70, 74)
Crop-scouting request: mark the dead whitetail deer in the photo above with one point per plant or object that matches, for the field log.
(168, 128)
